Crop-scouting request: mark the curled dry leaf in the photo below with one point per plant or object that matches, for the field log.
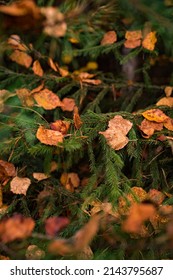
(85, 77)
(78, 242)
(54, 225)
(149, 127)
(49, 137)
(33, 252)
(70, 181)
(138, 214)
(16, 227)
(165, 101)
(37, 69)
(47, 99)
(68, 104)
(20, 185)
(115, 135)
(109, 37)
(156, 196)
(155, 115)
(76, 118)
(40, 176)
(61, 126)
(149, 41)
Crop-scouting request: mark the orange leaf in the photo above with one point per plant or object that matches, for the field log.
(109, 37)
(49, 137)
(70, 181)
(68, 104)
(61, 126)
(148, 128)
(47, 99)
(22, 58)
(20, 185)
(38, 89)
(76, 118)
(16, 227)
(37, 69)
(133, 35)
(115, 135)
(165, 101)
(40, 176)
(131, 44)
(155, 115)
(156, 196)
(169, 124)
(168, 91)
(52, 64)
(149, 41)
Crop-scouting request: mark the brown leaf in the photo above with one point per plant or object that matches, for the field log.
(165, 101)
(33, 252)
(76, 118)
(7, 169)
(138, 214)
(155, 115)
(20, 185)
(156, 196)
(16, 227)
(40, 176)
(55, 224)
(115, 135)
(25, 97)
(37, 69)
(149, 41)
(169, 124)
(68, 104)
(49, 137)
(109, 37)
(61, 126)
(78, 242)
(168, 91)
(70, 181)
(47, 99)
(148, 128)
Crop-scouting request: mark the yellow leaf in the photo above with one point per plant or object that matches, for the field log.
(47, 99)
(149, 41)
(155, 115)
(37, 69)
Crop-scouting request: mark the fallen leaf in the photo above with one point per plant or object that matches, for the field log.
(76, 118)
(149, 127)
(156, 196)
(16, 227)
(138, 214)
(85, 77)
(155, 115)
(61, 126)
(37, 69)
(47, 99)
(7, 169)
(33, 252)
(25, 97)
(20, 185)
(49, 137)
(165, 101)
(133, 39)
(79, 241)
(131, 44)
(52, 64)
(169, 124)
(168, 91)
(40, 176)
(109, 37)
(115, 135)
(54, 225)
(38, 89)
(149, 41)
(70, 181)
(21, 57)
(68, 104)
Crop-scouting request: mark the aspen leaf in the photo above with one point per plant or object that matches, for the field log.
(169, 124)
(148, 128)
(78, 242)
(109, 37)
(149, 41)
(47, 99)
(165, 101)
(16, 227)
(61, 126)
(76, 118)
(40, 176)
(33, 252)
(20, 185)
(155, 115)
(54, 225)
(118, 127)
(68, 104)
(49, 137)
(37, 69)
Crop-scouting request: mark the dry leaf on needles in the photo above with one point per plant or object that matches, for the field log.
(156, 196)
(20, 185)
(118, 127)
(40, 176)
(47, 99)
(61, 126)
(33, 252)
(25, 97)
(49, 137)
(21, 57)
(38, 89)
(76, 118)
(78, 241)
(165, 101)
(168, 91)
(52, 64)
(149, 41)
(54, 225)
(155, 115)
(149, 127)
(109, 37)
(7, 169)
(169, 124)
(37, 69)
(16, 227)
(133, 39)
(85, 77)
(138, 214)
(68, 104)
(70, 181)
